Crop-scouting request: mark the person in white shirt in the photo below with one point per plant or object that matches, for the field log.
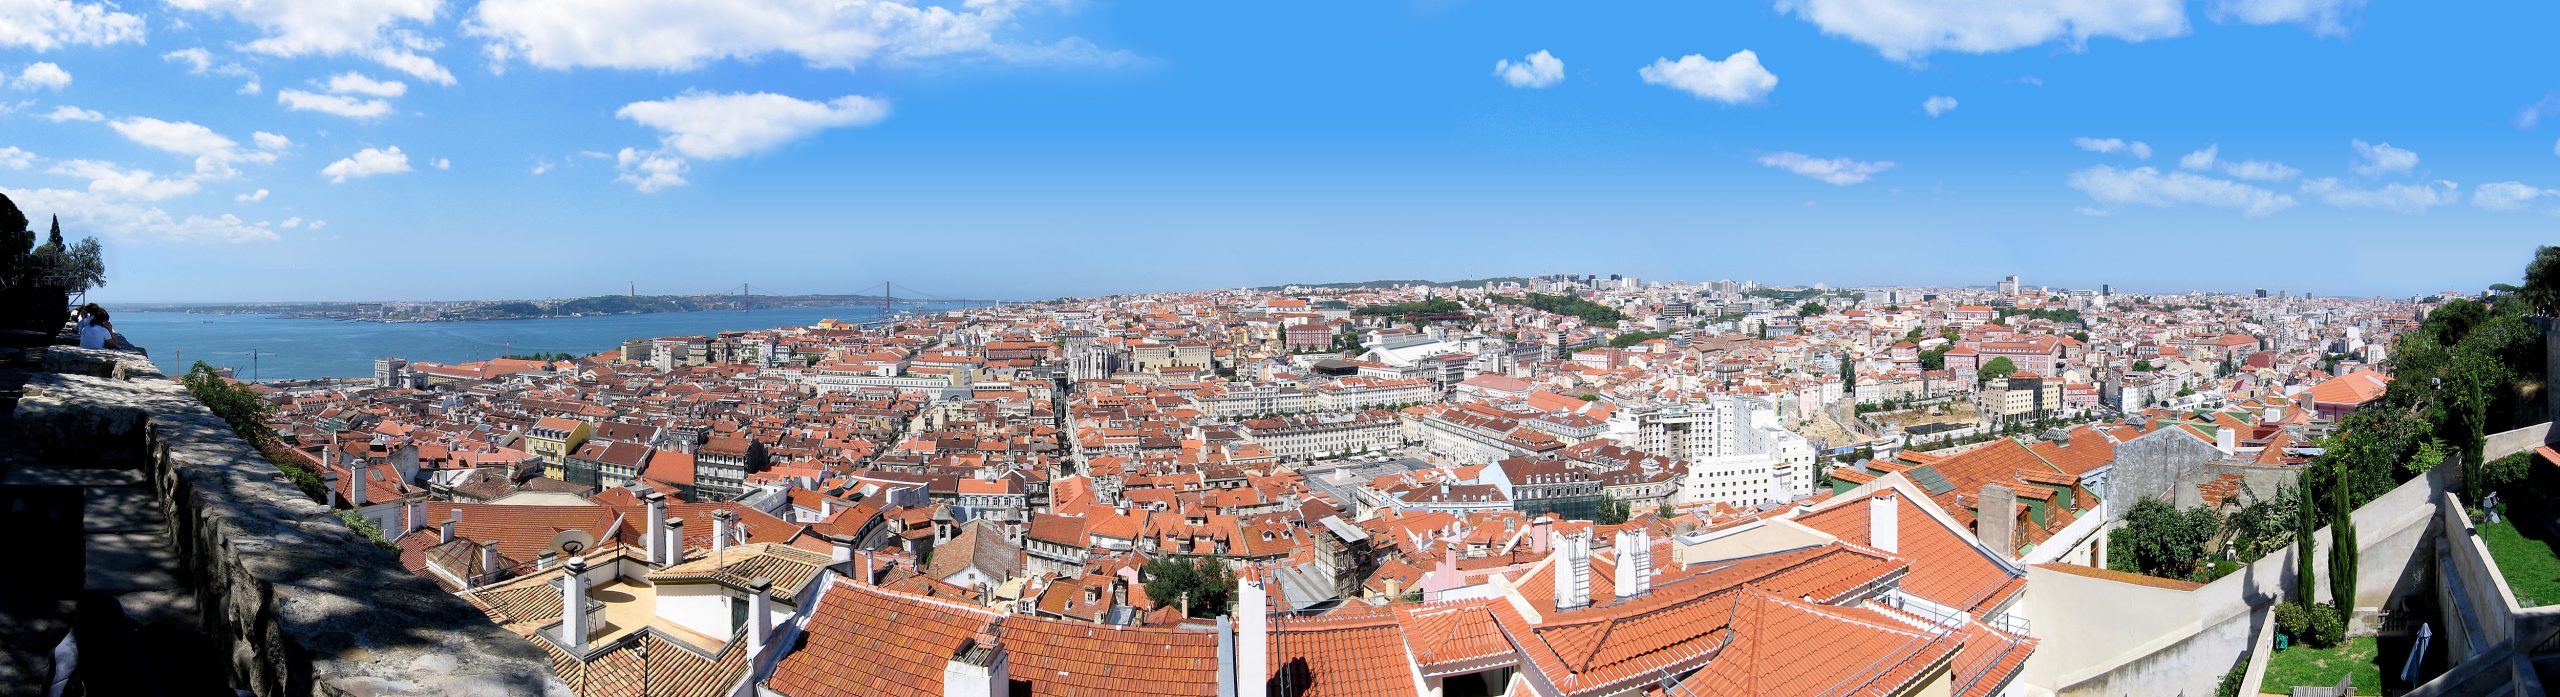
(95, 331)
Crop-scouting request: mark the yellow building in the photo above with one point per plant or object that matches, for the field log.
(553, 439)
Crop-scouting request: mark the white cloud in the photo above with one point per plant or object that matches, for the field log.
(198, 60)
(106, 179)
(125, 219)
(683, 34)
(541, 168)
(13, 158)
(719, 126)
(2093, 212)
(2509, 196)
(1938, 105)
(67, 112)
(1838, 171)
(2201, 159)
(368, 162)
(2533, 114)
(648, 171)
(442, 163)
(2145, 186)
(2260, 170)
(291, 223)
(371, 29)
(44, 25)
(316, 225)
(214, 153)
(270, 141)
(2322, 17)
(254, 197)
(1908, 30)
(43, 76)
(341, 105)
(1539, 70)
(2376, 160)
(2113, 146)
(1736, 79)
(2397, 198)
(354, 83)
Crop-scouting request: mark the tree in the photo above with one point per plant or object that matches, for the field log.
(2165, 542)
(1811, 309)
(1203, 583)
(2542, 280)
(1613, 511)
(1848, 374)
(1915, 333)
(1934, 359)
(1996, 368)
(2305, 522)
(2142, 365)
(2342, 552)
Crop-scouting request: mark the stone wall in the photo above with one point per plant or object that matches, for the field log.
(302, 604)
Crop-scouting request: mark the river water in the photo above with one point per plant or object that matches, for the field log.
(266, 347)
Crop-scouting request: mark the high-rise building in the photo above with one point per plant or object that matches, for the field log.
(2009, 286)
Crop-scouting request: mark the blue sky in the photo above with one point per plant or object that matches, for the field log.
(1023, 148)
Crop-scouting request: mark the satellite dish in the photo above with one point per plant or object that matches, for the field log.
(572, 542)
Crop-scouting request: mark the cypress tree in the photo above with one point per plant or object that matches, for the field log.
(2342, 551)
(2305, 521)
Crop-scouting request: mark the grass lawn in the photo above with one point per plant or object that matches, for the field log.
(2528, 563)
(2306, 666)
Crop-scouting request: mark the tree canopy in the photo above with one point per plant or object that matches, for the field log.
(1996, 368)
(1203, 582)
(2159, 540)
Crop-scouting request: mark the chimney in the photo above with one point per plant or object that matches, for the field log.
(759, 614)
(417, 517)
(674, 543)
(1538, 534)
(721, 520)
(545, 560)
(357, 499)
(1995, 519)
(489, 562)
(2274, 414)
(1884, 521)
(657, 520)
(2226, 439)
(826, 508)
(1253, 633)
(573, 616)
(843, 550)
(977, 669)
(1573, 571)
(444, 533)
(1635, 563)
(329, 482)
(863, 566)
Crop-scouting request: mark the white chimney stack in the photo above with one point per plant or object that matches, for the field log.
(1884, 521)
(759, 614)
(1635, 563)
(2226, 439)
(675, 542)
(573, 616)
(356, 497)
(329, 482)
(720, 525)
(1253, 633)
(1573, 570)
(657, 503)
(445, 533)
(842, 550)
(417, 517)
(489, 562)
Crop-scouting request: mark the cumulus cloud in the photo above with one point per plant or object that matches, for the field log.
(119, 218)
(2253, 170)
(683, 35)
(1539, 70)
(2093, 212)
(2509, 196)
(2145, 186)
(2322, 17)
(1938, 105)
(1909, 30)
(214, 153)
(334, 104)
(2114, 146)
(356, 83)
(290, 223)
(45, 25)
(270, 141)
(647, 171)
(2201, 159)
(42, 76)
(317, 224)
(2377, 160)
(1837, 171)
(2533, 114)
(442, 163)
(68, 112)
(2397, 198)
(376, 30)
(1737, 79)
(106, 179)
(252, 197)
(13, 158)
(200, 62)
(369, 162)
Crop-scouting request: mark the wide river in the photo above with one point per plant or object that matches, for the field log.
(265, 347)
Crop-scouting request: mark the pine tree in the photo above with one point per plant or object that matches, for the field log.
(2306, 581)
(55, 240)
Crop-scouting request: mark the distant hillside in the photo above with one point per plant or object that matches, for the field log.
(1470, 283)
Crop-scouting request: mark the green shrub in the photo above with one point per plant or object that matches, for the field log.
(2327, 627)
(2230, 685)
(2293, 621)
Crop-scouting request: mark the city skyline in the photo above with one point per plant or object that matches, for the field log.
(1027, 150)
